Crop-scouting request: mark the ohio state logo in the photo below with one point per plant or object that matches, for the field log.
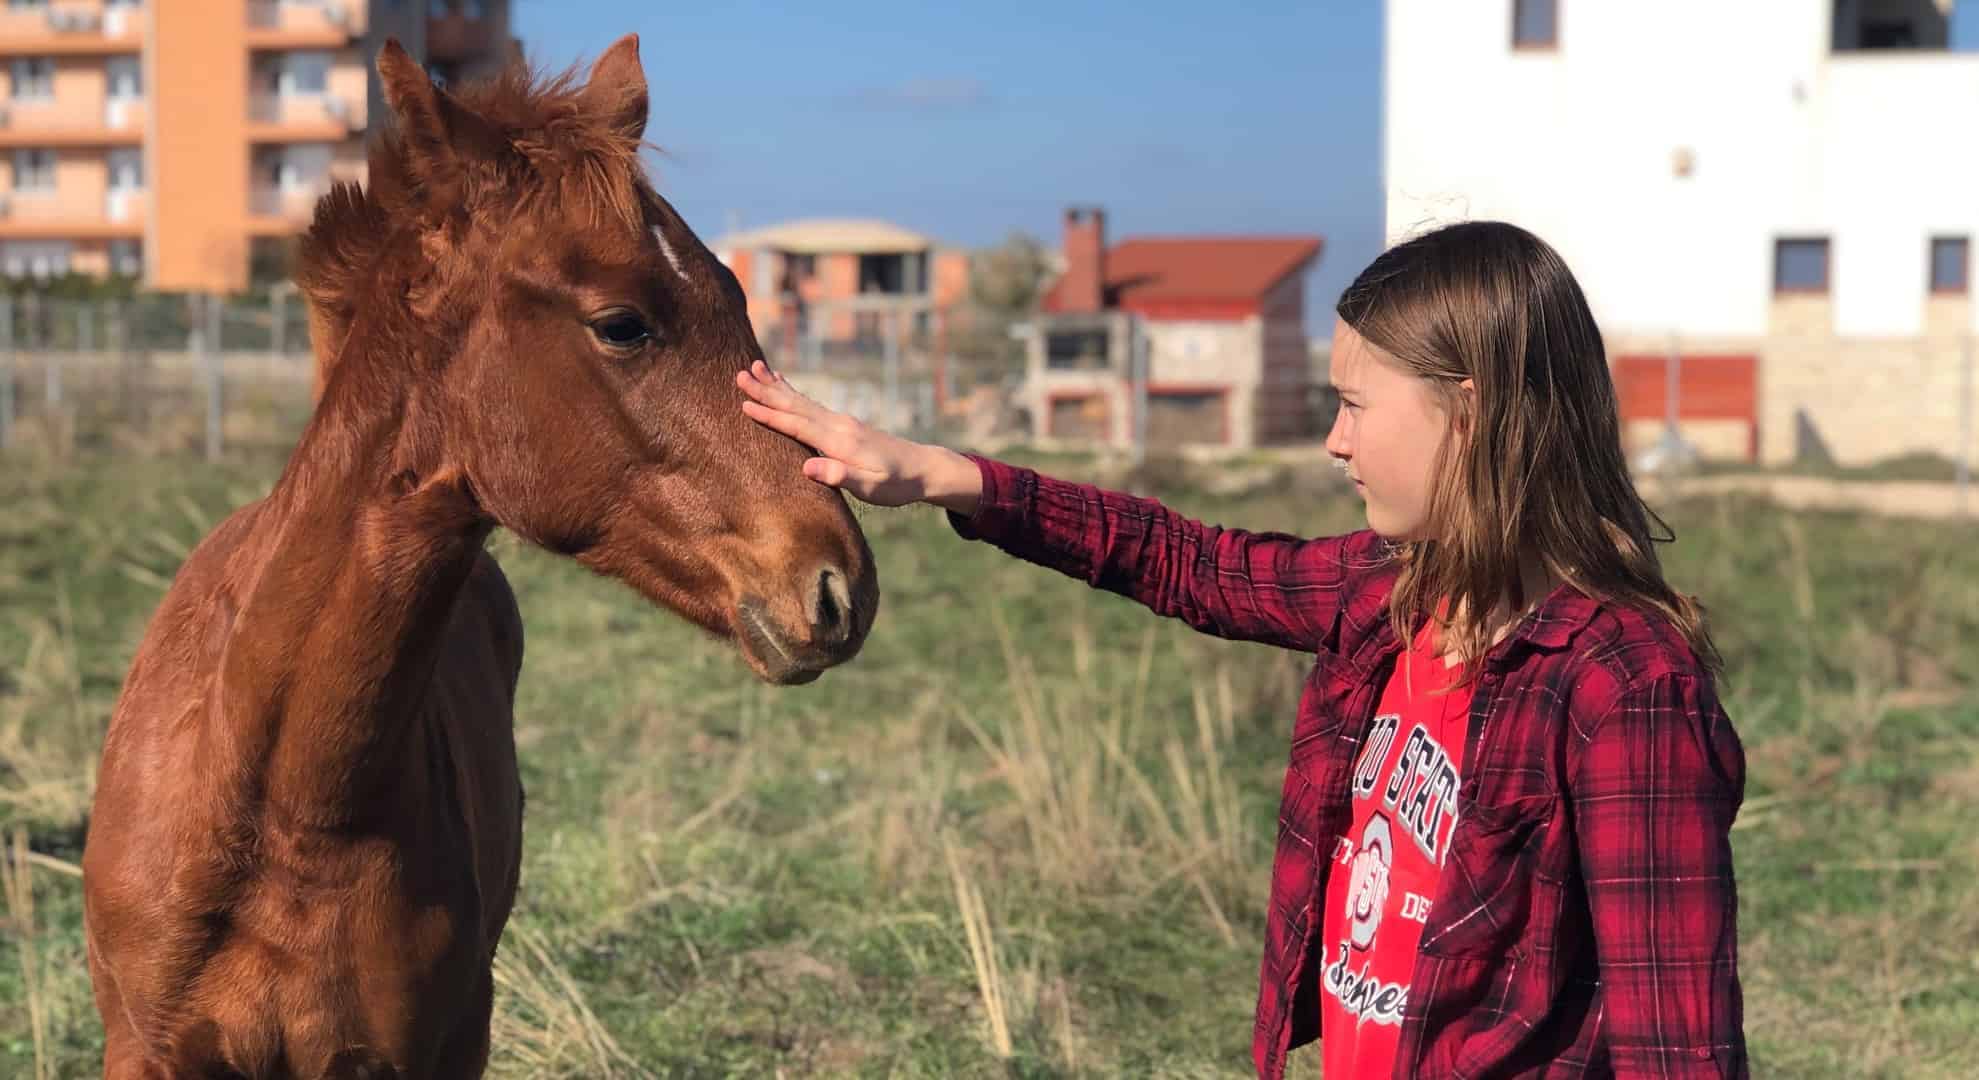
(1367, 883)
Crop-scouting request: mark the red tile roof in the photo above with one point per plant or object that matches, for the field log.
(1199, 276)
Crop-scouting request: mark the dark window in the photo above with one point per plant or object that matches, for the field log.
(1951, 264)
(1535, 24)
(1084, 417)
(881, 274)
(894, 274)
(1888, 34)
(1075, 350)
(1800, 266)
(1178, 418)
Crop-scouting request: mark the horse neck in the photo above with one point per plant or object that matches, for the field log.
(345, 588)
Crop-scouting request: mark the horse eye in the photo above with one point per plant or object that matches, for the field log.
(621, 331)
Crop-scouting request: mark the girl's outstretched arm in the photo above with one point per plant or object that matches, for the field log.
(1266, 587)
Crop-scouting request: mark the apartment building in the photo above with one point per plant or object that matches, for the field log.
(185, 141)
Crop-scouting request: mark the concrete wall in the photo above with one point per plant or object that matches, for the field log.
(1581, 143)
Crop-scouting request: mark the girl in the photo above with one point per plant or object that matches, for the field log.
(1504, 841)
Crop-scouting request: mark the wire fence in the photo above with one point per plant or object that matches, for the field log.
(205, 376)
(163, 374)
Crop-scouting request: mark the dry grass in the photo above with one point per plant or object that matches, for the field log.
(1027, 833)
(543, 1026)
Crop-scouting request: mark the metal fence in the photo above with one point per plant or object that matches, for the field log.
(206, 376)
(152, 373)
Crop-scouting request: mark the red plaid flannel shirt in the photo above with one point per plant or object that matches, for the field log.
(1585, 923)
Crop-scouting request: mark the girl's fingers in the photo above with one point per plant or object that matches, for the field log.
(827, 471)
(770, 388)
(797, 427)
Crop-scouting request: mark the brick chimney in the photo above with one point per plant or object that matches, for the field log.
(1083, 289)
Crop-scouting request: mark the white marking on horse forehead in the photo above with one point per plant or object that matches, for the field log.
(673, 257)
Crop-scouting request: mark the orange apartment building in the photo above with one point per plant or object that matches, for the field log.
(178, 139)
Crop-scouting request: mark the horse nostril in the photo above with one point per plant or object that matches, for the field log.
(831, 612)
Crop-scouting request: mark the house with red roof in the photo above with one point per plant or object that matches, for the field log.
(1222, 319)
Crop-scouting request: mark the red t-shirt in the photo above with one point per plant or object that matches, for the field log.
(1378, 896)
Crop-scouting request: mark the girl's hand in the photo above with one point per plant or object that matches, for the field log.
(876, 467)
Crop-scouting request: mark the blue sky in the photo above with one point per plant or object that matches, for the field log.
(966, 121)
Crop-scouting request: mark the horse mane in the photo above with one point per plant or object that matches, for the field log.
(533, 142)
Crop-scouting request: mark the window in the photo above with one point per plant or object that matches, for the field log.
(303, 74)
(301, 167)
(439, 9)
(1905, 25)
(1076, 350)
(1077, 416)
(125, 75)
(126, 258)
(473, 9)
(1800, 265)
(35, 258)
(126, 166)
(1179, 417)
(34, 171)
(27, 3)
(887, 274)
(34, 78)
(1535, 24)
(1951, 264)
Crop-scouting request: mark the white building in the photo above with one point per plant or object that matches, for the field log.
(1787, 189)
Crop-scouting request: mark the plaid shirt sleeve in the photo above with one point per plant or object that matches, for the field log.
(1246, 586)
(1657, 786)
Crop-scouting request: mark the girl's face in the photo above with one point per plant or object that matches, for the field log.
(1386, 434)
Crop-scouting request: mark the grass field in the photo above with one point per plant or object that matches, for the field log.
(1028, 831)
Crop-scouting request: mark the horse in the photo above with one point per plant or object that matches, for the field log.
(307, 827)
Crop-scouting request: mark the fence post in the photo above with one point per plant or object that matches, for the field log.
(6, 369)
(1965, 406)
(206, 347)
(1139, 361)
(277, 309)
(890, 357)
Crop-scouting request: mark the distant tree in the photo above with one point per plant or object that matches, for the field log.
(1005, 284)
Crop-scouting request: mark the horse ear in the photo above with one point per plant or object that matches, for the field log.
(434, 128)
(617, 88)
(414, 101)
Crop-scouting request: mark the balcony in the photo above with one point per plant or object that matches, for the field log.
(43, 125)
(70, 31)
(274, 211)
(123, 206)
(455, 37)
(124, 114)
(46, 217)
(275, 118)
(330, 25)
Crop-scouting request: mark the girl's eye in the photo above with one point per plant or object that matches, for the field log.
(621, 331)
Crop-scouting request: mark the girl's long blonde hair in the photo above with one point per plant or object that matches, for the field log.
(1534, 463)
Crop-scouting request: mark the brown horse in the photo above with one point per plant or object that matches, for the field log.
(308, 820)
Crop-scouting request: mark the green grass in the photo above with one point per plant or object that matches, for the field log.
(1028, 831)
